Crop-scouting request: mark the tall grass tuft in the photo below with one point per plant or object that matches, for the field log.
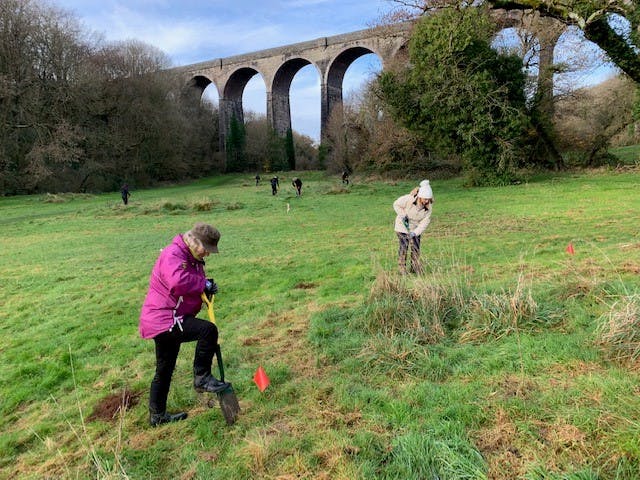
(337, 190)
(64, 197)
(619, 332)
(420, 309)
(494, 315)
(204, 205)
(432, 306)
(392, 357)
(105, 467)
(542, 473)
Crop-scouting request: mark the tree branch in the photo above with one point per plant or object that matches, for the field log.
(594, 23)
(619, 50)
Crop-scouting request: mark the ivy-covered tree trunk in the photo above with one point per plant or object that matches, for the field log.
(542, 109)
(290, 150)
(235, 146)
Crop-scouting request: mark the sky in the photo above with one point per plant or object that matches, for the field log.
(191, 31)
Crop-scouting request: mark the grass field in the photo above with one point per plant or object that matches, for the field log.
(509, 358)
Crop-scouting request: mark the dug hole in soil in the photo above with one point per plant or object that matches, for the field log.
(109, 407)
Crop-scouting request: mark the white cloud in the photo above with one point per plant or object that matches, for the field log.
(191, 31)
(196, 40)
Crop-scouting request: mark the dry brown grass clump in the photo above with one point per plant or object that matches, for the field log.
(497, 315)
(419, 309)
(619, 332)
(429, 307)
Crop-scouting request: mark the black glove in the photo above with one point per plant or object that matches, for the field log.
(405, 221)
(210, 288)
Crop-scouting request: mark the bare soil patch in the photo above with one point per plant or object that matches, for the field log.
(110, 407)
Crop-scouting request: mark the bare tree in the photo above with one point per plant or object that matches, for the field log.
(257, 142)
(77, 114)
(41, 49)
(130, 58)
(344, 138)
(592, 117)
(264, 150)
(306, 152)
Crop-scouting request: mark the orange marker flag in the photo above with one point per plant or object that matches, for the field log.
(570, 249)
(260, 378)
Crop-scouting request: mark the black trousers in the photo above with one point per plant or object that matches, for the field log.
(167, 349)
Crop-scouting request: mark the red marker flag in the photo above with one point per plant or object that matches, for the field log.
(260, 378)
(570, 249)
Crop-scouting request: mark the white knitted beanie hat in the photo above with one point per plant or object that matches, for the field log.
(425, 190)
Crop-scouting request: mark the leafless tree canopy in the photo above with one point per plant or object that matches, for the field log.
(77, 114)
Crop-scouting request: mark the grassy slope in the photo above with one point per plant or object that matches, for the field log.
(629, 155)
(294, 291)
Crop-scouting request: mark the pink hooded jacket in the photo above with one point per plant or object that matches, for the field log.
(175, 285)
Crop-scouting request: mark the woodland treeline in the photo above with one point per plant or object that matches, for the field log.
(78, 114)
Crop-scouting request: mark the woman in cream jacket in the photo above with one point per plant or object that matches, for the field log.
(413, 215)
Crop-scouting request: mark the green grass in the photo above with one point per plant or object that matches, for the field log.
(509, 358)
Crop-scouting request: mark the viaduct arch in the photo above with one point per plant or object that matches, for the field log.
(331, 57)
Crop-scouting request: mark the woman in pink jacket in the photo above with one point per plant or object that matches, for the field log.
(169, 312)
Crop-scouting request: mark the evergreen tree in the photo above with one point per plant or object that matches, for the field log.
(276, 152)
(461, 97)
(323, 154)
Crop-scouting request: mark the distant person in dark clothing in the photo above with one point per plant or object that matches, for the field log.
(345, 177)
(274, 185)
(257, 179)
(297, 184)
(124, 191)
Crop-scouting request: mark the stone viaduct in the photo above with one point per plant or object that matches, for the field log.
(331, 56)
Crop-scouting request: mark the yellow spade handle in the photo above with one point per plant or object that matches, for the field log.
(212, 316)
